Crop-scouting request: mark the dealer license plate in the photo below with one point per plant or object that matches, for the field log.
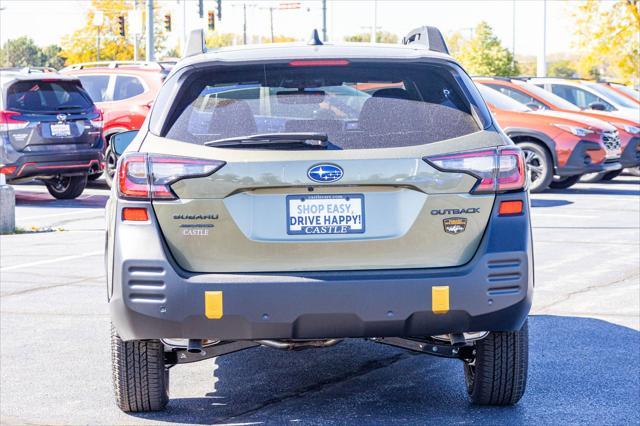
(60, 130)
(325, 214)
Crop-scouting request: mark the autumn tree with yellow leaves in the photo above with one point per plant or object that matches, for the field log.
(609, 35)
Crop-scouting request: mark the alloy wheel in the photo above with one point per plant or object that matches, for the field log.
(535, 166)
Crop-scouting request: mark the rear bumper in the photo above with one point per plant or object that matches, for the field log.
(630, 154)
(39, 165)
(152, 298)
(579, 161)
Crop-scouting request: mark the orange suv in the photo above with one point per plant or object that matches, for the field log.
(124, 91)
(559, 147)
(537, 98)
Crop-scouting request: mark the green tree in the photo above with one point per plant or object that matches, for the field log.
(52, 57)
(483, 54)
(381, 37)
(20, 52)
(607, 34)
(562, 68)
(215, 39)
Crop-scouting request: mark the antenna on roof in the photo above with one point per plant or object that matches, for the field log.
(315, 39)
(429, 37)
(195, 44)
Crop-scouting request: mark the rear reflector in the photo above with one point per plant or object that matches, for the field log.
(319, 63)
(136, 214)
(497, 169)
(510, 208)
(7, 170)
(146, 177)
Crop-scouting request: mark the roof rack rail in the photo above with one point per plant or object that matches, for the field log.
(429, 37)
(117, 64)
(29, 70)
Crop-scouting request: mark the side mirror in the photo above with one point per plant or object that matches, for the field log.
(120, 141)
(598, 106)
(534, 106)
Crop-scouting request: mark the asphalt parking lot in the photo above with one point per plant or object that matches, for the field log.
(584, 334)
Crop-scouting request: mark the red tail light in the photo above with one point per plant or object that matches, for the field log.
(99, 120)
(319, 63)
(147, 177)
(8, 121)
(497, 170)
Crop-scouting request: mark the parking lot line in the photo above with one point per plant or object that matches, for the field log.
(57, 259)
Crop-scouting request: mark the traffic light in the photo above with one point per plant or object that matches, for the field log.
(211, 22)
(167, 22)
(121, 25)
(219, 10)
(201, 8)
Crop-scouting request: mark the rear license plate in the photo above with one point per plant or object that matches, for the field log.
(60, 130)
(325, 214)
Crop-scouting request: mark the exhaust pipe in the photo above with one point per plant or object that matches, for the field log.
(457, 339)
(300, 344)
(194, 346)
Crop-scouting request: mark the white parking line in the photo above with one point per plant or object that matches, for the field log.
(535, 213)
(92, 211)
(57, 259)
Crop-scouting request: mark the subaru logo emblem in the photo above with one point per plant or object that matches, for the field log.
(61, 117)
(325, 173)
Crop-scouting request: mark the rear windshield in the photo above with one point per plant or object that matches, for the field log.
(358, 106)
(47, 96)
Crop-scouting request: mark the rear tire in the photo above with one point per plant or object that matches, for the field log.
(499, 376)
(140, 377)
(564, 182)
(110, 162)
(612, 175)
(66, 187)
(539, 166)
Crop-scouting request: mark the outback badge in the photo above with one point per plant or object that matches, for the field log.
(454, 225)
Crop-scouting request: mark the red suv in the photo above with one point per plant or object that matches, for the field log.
(124, 91)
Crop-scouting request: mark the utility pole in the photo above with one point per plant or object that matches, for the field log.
(513, 33)
(244, 23)
(98, 20)
(150, 40)
(324, 20)
(271, 21)
(375, 21)
(136, 43)
(542, 54)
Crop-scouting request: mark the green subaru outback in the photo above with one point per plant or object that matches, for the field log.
(294, 195)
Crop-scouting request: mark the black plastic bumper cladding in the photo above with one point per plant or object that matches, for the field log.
(576, 165)
(47, 164)
(631, 155)
(152, 298)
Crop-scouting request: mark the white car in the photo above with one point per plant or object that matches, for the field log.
(589, 95)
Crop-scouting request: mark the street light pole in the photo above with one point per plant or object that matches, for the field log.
(375, 21)
(244, 23)
(150, 40)
(324, 20)
(542, 54)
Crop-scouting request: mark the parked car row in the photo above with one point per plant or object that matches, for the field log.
(593, 138)
(570, 130)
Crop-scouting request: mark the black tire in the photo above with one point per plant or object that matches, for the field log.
(499, 376)
(611, 175)
(564, 182)
(140, 377)
(66, 187)
(110, 162)
(539, 166)
(94, 176)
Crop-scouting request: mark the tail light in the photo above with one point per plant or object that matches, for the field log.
(149, 177)
(99, 120)
(8, 121)
(497, 170)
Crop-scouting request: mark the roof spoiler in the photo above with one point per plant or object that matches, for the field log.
(195, 44)
(429, 37)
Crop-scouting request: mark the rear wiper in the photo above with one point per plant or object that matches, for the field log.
(314, 140)
(63, 107)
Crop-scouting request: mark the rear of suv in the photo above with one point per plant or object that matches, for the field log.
(50, 130)
(270, 202)
(124, 91)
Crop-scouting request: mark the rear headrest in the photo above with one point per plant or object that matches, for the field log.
(231, 118)
(392, 93)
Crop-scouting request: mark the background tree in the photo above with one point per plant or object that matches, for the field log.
(483, 54)
(214, 40)
(81, 45)
(562, 68)
(22, 52)
(381, 37)
(607, 33)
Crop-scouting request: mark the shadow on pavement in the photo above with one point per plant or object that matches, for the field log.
(595, 191)
(549, 203)
(44, 199)
(580, 371)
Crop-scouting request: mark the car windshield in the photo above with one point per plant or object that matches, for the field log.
(548, 97)
(501, 101)
(628, 90)
(358, 105)
(611, 95)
